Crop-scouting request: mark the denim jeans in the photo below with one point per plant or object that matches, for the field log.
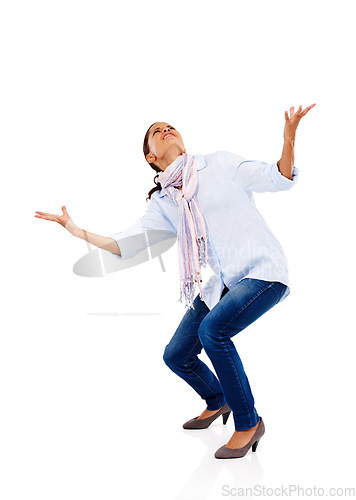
(213, 330)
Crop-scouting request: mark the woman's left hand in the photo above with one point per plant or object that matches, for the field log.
(293, 120)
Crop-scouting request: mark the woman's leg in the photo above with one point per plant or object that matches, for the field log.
(241, 306)
(181, 355)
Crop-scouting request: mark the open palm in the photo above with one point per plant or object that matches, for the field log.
(293, 120)
(64, 219)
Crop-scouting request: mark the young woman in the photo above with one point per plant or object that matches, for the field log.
(207, 202)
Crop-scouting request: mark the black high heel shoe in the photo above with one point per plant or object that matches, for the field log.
(203, 423)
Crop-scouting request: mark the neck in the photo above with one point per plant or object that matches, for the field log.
(168, 158)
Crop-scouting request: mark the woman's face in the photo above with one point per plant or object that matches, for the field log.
(165, 144)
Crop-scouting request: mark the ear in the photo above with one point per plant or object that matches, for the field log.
(150, 158)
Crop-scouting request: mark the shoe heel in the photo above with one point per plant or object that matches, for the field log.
(226, 416)
(254, 446)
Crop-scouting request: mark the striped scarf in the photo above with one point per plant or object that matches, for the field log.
(192, 235)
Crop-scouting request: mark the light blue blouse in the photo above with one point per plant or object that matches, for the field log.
(240, 243)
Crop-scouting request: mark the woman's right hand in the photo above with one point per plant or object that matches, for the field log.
(64, 219)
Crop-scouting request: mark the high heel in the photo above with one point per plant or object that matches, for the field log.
(203, 423)
(226, 452)
(225, 416)
(254, 446)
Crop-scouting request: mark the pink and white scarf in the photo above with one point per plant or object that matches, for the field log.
(192, 235)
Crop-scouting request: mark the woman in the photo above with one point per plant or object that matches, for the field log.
(208, 202)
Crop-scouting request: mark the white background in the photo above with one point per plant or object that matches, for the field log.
(89, 410)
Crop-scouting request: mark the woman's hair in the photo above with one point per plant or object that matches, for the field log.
(155, 168)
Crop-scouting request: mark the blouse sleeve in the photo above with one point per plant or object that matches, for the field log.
(147, 230)
(258, 176)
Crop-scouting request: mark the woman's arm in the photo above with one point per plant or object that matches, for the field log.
(253, 175)
(64, 220)
(285, 164)
(104, 242)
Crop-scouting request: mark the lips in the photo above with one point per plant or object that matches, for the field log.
(168, 133)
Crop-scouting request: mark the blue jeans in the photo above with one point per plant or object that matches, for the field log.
(213, 330)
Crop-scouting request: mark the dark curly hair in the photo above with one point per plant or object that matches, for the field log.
(146, 150)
